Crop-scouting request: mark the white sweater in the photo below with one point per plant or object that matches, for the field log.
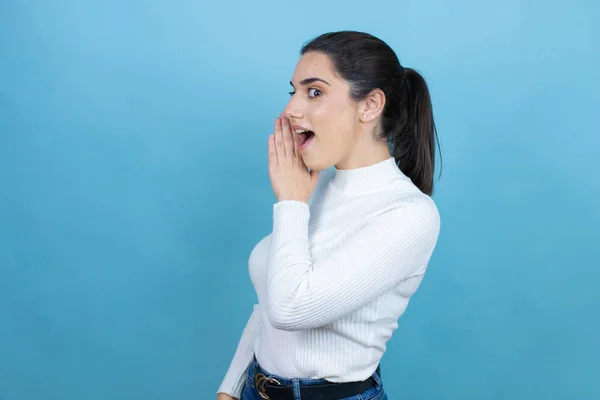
(335, 275)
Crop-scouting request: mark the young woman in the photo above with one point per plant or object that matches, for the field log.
(350, 244)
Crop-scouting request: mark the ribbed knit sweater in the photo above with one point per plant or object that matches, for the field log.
(335, 275)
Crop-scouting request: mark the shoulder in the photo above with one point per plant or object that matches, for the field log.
(409, 209)
(407, 196)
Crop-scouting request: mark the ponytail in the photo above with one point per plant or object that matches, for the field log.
(413, 135)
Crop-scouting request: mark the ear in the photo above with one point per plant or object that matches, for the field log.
(372, 106)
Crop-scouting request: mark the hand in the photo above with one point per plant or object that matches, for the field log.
(290, 177)
(224, 396)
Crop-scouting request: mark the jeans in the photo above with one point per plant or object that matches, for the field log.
(249, 391)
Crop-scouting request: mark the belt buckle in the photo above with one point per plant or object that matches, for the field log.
(260, 380)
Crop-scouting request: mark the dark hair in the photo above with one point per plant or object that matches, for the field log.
(368, 63)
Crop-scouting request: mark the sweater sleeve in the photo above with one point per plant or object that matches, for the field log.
(304, 295)
(233, 382)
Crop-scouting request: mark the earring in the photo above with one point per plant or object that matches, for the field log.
(364, 115)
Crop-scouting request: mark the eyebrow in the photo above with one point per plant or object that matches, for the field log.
(308, 81)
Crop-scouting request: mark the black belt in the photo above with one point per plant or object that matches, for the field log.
(271, 389)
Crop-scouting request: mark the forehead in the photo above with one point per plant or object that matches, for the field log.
(314, 65)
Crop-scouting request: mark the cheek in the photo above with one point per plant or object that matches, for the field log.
(321, 111)
(332, 120)
(321, 119)
(330, 117)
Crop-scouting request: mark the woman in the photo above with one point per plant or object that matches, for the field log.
(350, 244)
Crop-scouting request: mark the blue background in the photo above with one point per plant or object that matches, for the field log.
(133, 185)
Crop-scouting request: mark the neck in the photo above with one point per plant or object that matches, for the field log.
(367, 178)
(365, 155)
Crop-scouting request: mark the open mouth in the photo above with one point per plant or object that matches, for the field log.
(304, 136)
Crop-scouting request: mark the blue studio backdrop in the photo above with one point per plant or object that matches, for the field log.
(133, 185)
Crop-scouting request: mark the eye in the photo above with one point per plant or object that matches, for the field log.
(292, 93)
(313, 92)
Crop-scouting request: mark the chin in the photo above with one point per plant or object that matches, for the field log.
(315, 165)
(312, 166)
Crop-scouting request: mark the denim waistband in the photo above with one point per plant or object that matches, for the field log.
(255, 368)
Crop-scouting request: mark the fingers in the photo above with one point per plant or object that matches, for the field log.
(283, 142)
(288, 139)
(272, 150)
(279, 148)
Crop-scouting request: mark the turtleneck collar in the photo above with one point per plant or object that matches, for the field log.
(365, 179)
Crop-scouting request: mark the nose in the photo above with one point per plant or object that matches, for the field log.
(293, 110)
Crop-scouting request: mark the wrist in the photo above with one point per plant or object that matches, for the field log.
(292, 198)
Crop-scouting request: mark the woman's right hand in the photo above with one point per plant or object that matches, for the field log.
(224, 396)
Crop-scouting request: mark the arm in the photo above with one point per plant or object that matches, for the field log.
(304, 295)
(236, 374)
